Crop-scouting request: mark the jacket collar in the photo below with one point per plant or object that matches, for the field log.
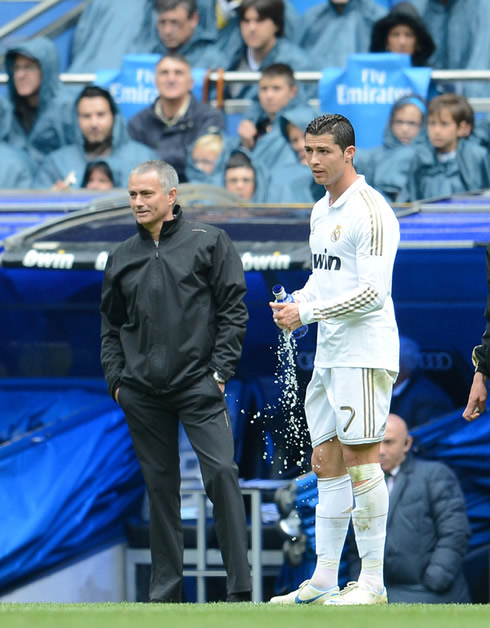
(168, 228)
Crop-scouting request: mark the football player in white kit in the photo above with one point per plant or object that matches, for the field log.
(353, 239)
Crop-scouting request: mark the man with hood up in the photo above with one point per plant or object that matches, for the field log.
(100, 133)
(403, 31)
(36, 116)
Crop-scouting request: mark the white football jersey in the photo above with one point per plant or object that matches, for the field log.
(353, 245)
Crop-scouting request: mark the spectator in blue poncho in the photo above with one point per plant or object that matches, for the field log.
(460, 31)
(262, 43)
(106, 31)
(221, 18)
(386, 167)
(178, 30)
(244, 178)
(278, 91)
(15, 172)
(100, 133)
(452, 163)
(205, 154)
(334, 29)
(98, 176)
(482, 130)
(403, 31)
(293, 182)
(36, 116)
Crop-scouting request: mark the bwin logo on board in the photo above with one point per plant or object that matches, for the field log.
(323, 261)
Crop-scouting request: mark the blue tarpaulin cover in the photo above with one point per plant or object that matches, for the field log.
(69, 477)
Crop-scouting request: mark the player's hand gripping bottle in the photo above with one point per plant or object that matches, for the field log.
(283, 297)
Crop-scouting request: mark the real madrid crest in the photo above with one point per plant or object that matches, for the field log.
(335, 234)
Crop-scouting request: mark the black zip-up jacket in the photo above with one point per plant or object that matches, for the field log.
(174, 312)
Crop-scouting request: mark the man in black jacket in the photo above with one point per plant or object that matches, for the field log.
(481, 359)
(173, 323)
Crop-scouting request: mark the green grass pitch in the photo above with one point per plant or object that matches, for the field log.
(222, 615)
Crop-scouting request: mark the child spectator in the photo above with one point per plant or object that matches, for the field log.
(98, 176)
(386, 167)
(293, 182)
(277, 92)
(263, 133)
(243, 178)
(452, 163)
(206, 151)
(207, 158)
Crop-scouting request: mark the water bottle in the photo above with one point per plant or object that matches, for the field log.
(283, 297)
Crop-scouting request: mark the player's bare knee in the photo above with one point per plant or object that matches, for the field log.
(327, 461)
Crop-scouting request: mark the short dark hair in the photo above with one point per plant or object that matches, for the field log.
(94, 91)
(238, 159)
(92, 166)
(457, 105)
(267, 9)
(335, 125)
(167, 5)
(280, 69)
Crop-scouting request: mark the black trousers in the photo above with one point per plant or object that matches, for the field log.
(154, 426)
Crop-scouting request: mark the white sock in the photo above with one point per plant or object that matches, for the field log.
(369, 520)
(333, 515)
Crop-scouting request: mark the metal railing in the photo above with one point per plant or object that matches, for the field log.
(478, 104)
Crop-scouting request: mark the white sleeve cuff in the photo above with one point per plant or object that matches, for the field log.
(306, 313)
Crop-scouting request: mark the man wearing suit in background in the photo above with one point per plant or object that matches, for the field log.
(427, 531)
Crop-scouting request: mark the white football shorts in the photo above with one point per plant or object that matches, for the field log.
(350, 403)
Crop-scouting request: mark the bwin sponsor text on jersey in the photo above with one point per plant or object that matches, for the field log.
(323, 261)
